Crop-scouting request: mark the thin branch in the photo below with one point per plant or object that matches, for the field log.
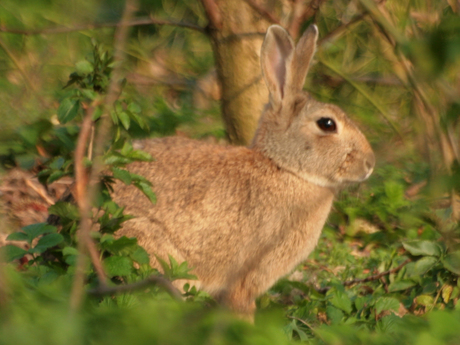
(85, 243)
(84, 27)
(263, 12)
(213, 13)
(152, 280)
(40, 191)
(85, 186)
(18, 65)
(340, 29)
(368, 279)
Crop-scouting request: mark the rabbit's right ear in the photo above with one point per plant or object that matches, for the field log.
(276, 57)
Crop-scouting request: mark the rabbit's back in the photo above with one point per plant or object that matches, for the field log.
(223, 209)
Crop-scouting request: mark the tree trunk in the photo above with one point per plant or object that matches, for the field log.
(236, 40)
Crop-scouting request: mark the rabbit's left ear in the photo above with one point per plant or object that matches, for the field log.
(276, 58)
(304, 52)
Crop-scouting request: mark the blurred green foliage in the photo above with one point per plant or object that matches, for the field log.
(377, 69)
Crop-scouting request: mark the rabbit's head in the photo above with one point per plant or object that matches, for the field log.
(315, 141)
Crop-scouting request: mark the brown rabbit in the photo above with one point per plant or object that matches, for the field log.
(243, 217)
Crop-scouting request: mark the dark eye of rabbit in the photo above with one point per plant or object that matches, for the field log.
(326, 124)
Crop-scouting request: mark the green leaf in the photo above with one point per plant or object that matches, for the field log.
(421, 247)
(143, 124)
(97, 113)
(447, 292)
(362, 302)
(68, 110)
(69, 251)
(118, 266)
(56, 175)
(386, 303)
(134, 107)
(10, 252)
(425, 300)
(84, 67)
(121, 246)
(423, 265)
(140, 256)
(334, 314)
(122, 175)
(400, 285)
(57, 163)
(164, 265)
(114, 117)
(17, 236)
(114, 158)
(342, 301)
(89, 94)
(452, 262)
(126, 149)
(124, 119)
(140, 156)
(64, 209)
(147, 190)
(46, 242)
(395, 193)
(71, 260)
(37, 229)
(292, 327)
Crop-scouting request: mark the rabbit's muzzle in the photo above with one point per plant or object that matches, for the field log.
(356, 167)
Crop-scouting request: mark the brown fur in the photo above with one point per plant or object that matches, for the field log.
(244, 217)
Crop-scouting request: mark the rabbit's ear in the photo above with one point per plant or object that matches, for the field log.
(276, 58)
(304, 52)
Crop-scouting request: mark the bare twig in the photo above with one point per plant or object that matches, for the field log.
(368, 279)
(85, 188)
(84, 27)
(213, 13)
(39, 190)
(85, 243)
(152, 280)
(263, 12)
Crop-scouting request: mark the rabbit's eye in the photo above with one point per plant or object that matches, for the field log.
(327, 124)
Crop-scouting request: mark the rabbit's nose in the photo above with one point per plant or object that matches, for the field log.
(369, 163)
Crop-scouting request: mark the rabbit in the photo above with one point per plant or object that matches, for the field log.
(242, 217)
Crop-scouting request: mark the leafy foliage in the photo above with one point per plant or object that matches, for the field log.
(387, 265)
